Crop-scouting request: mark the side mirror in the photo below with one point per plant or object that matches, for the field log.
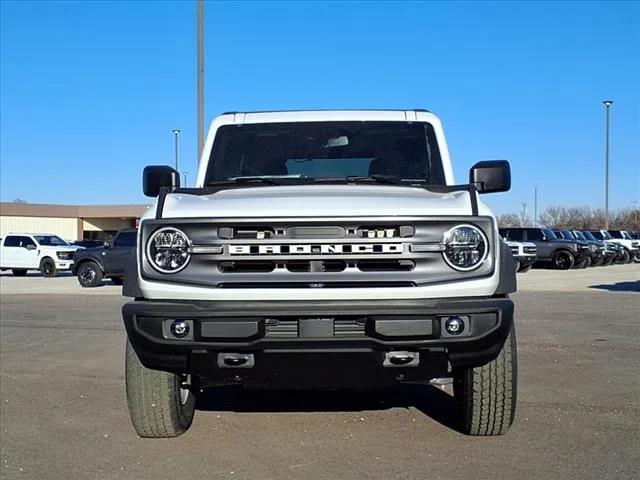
(30, 247)
(107, 244)
(491, 176)
(155, 177)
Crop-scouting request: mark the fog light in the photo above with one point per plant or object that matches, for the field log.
(454, 325)
(179, 328)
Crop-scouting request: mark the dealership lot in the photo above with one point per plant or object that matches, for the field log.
(63, 411)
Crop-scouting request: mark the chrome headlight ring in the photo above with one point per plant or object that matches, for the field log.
(466, 247)
(168, 250)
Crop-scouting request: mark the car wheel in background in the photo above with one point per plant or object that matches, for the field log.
(626, 257)
(19, 272)
(563, 260)
(48, 267)
(636, 257)
(89, 274)
(116, 280)
(586, 263)
(598, 262)
(525, 269)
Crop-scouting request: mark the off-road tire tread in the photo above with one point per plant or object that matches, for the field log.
(487, 394)
(153, 398)
(96, 281)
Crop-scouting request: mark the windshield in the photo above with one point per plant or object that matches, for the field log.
(567, 235)
(50, 241)
(326, 150)
(588, 235)
(550, 235)
(579, 234)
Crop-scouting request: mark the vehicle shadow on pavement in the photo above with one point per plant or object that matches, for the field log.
(619, 286)
(429, 400)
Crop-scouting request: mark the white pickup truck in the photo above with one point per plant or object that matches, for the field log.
(321, 249)
(20, 252)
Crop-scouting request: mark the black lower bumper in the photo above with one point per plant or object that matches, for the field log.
(301, 344)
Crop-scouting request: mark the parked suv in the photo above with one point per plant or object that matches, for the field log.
(323, 249)
(595, 254)
(561, 254)
(524, 253)
(91, 265)
(630, 244)
(624, 249)
(20, 252)
(609, 251)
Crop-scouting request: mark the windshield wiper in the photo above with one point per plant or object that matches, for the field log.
(383, 179)
(245, 180)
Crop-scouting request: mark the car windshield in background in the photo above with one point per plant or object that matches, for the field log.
(50, 241)
(567, 235)
(549, 234)
(297, 152)
(589, 236)
(579, 234)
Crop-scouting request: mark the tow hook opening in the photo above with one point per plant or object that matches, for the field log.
(236, 360)
(401, 359)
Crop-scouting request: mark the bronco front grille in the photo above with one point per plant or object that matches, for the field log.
(320, 253)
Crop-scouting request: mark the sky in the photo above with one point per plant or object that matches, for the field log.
(90, 91)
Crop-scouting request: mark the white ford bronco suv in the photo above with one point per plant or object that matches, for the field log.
(321, 249)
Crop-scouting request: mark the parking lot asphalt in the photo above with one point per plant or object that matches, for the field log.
(63, 413)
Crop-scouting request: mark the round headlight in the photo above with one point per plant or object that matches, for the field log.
(466, 247)
(168, 250)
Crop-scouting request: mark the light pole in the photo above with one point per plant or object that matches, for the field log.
(185, 173)
(607, 105)
(200, 21)
(176, 134)
(535, 206)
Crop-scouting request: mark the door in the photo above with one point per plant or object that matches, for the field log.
(19, 252)
(121, 253)
(545, 249)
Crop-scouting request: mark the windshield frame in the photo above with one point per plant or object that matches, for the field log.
(433, 167)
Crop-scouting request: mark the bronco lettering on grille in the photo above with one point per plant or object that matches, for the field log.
(309, 249)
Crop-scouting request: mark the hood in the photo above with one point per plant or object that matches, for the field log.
(59, 248)
(319, 201)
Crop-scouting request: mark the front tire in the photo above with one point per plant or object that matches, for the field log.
(626, 257)
(586, 263)
(487, 394)
(19, 272)
(563, 260)
(525, 269)
(158, 405)
(89, 274)
(48, 268)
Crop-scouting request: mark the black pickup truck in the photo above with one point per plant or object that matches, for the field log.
(91, 265)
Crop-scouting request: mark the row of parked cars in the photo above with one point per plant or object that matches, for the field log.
(91, 261)
(570, 248)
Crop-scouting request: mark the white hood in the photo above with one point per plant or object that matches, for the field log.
(319, 201)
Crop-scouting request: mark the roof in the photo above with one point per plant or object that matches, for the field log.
(71, 211)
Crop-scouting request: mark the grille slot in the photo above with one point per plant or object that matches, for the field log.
(249, 266)
(386, 265)
(353, 327)
(277, 328)
(302, 266)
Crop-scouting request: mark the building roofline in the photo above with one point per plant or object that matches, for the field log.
(71, 211)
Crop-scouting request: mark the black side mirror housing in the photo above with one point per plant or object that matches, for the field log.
(155, 177)
(491, 176)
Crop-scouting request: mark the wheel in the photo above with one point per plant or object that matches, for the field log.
(525, 269)
(487, 394)
(598, 262)
(158, 405)
(626, 256)
(48, 267)
(89, 274)
(19, 272)
(116, 280)
(636, 257)
(563, 260)
(586, 263)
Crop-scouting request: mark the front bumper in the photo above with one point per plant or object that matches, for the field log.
(306, 344)
(64, 264)
(526, 260)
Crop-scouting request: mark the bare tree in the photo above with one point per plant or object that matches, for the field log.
(19, 200)
(509, 220)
